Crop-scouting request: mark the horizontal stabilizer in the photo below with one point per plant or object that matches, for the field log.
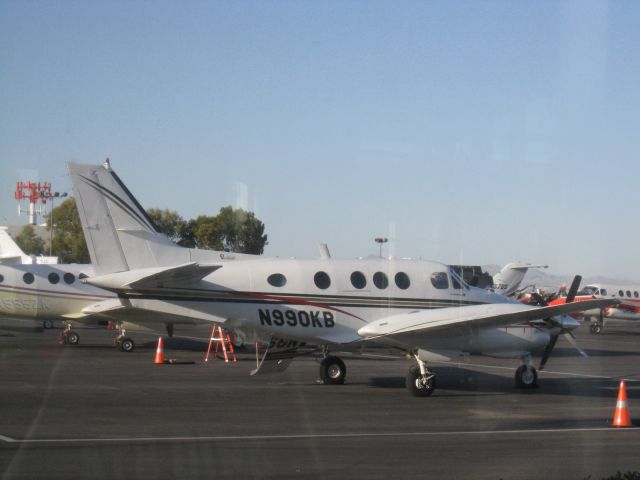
(409, 326)
(157, 277)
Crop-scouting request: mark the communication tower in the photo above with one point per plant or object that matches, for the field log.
(34, 193)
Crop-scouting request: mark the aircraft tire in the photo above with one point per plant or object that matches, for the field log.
(416, 386)
(47, 324)
(595, 329)
(332, 371)
(126, 345)
(526, 377)
(72, 338)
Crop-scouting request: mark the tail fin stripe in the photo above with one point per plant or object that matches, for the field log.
(126, 208)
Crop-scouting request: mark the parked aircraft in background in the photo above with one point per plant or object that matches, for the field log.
(506, 282)
(421, 308)
(627, 309)
(11, 253)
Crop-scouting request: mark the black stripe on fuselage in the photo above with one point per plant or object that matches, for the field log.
(222, 296)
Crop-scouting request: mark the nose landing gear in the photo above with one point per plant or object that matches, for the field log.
(420, 381)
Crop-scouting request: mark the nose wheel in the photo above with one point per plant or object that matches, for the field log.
(526, 377)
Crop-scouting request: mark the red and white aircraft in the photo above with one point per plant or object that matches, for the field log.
(628, 307)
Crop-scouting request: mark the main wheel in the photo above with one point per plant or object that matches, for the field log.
(72, 338)
(417, 385)
(526, 377)
(332, 371)
(47, 324)
(595, 328)
(125, 344)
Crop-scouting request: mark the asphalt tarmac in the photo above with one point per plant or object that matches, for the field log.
(90, 411)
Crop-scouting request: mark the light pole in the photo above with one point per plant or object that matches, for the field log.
(380, 241)
(53, 196)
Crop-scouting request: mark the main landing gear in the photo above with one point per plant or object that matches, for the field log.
(526, 375)
(421, 382)
(332, 371)
(122, 342)
(68, 336)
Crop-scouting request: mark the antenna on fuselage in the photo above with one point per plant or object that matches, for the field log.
(325, 254)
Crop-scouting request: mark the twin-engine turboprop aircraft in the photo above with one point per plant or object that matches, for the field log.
(421, 308)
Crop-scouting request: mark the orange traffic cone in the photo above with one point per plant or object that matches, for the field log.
(621, 415)
(159, 352)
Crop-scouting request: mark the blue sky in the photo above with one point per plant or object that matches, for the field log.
(477, 132)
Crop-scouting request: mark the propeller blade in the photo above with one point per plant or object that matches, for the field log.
(547, 351)
(572, 340)
(573, 289)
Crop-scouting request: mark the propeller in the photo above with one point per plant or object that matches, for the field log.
(557, 327)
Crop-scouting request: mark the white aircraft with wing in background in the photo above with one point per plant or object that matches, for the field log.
(421, 308)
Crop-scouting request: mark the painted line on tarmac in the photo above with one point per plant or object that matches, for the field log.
(230, 438)
(570, 374)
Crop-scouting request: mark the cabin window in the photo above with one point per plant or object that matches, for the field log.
(53, 278)
(402, 280)
(621, 293)
(440, 280)
(628, 293)
(380, 280)
(635, 293)
(1, 279)
(28, 278)
(69, 278)
(603, 291)
(358, 280)
(322, 280)
(277, 280)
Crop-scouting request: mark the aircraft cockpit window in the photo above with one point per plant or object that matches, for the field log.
(358, 280)
(53, 278)
(455, 283)
(380, 280)
(82, 276)
(277, 280)
(28, 278)
(589, 291)
(603, 291)
(322, 280)
(402, 280)
(69, 278)
(440, 280)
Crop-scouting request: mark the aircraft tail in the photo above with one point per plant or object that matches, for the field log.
(120, 235)
(509, 278)
(9, 249)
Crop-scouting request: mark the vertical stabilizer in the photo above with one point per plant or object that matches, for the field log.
(120, 235)
(509, 278)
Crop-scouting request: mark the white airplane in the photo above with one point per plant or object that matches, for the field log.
(505, 282)
(420, 308)
(11, 253)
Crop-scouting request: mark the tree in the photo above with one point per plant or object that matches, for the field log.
(29, 242)
(240, 231)
(170, 223)
(68, 240)
(232, 230)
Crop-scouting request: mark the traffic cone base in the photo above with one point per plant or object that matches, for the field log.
(159, 352)
(621, 416)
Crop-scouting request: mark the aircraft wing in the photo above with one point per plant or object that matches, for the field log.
(409, 328)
